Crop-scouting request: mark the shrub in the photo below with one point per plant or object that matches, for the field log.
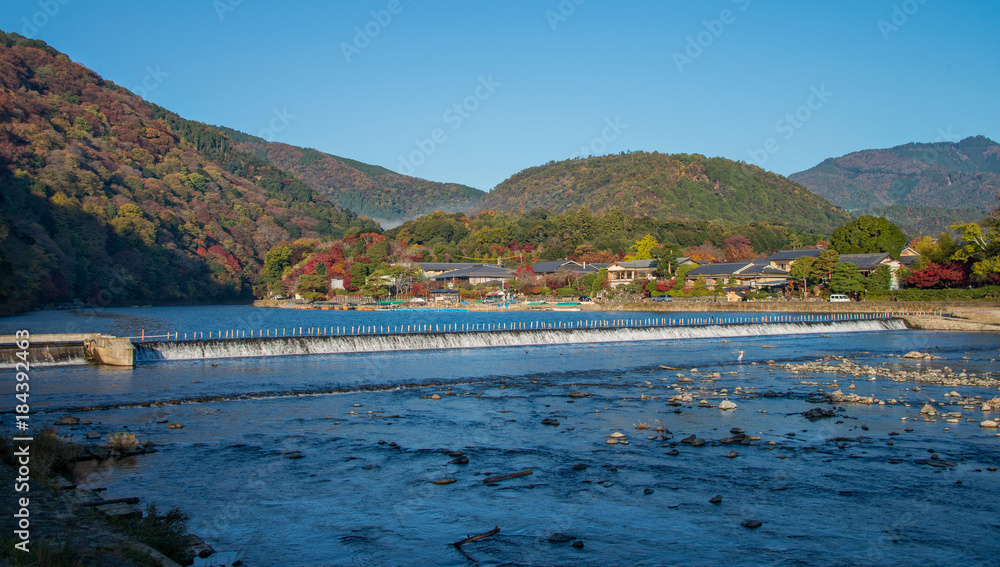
(49, 453)
(166, 533)
(122, 442)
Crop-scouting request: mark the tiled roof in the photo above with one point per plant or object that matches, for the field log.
(726, 269)
(442, 266)
(793, 254)
(476, 272)
(637, 264)
(864, 261)
(552, 266)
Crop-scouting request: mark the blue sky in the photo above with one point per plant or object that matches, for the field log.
(475, 92)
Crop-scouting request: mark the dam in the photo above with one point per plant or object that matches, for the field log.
(84, 348)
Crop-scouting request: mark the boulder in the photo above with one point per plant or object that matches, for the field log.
(989, 423)
(751, 524)
(68, 420)
(726, 405)
(818, 413)
(914, 354)
(928, 410)
(550, 421)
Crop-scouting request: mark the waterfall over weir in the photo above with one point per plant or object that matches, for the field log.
(283, 346)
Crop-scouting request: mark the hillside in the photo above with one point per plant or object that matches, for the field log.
(368, 190)
(677, 187)
(946, 175)
(106, 199)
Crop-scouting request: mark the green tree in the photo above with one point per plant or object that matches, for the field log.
(312, 287)
(880, 279)
(868, 234)
(825, 264)
(275, 262)
(847, 279)
(802, 270)
(980, 245)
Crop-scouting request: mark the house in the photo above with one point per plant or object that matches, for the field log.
(908, 257)
(550, 267)
(444, 295)
(755, 274)
(622, 273)
(431, 269)
(478, 274)
(867, 263)
(783, 260)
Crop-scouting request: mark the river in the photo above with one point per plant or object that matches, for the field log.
(328, 458)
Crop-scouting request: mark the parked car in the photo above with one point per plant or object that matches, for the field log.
(663, 298)
(839, 298)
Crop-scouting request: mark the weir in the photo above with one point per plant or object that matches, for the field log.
(392, 341)
(68, 348)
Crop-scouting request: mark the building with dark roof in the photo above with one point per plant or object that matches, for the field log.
(783, 260)
(759, 273)
(479, 274)
(867, 263)
(550, 267)
(622, 273)
(435, 268)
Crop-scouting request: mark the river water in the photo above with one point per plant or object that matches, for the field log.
(328, 458)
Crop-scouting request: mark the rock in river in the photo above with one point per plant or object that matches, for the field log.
(68, 420)
(726, 405)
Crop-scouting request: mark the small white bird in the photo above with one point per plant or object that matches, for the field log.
(740, 358)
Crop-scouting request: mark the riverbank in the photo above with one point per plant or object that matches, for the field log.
(943, 315)
(66, 525)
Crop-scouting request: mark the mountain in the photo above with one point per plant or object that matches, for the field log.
(108, 199)
(915, 180)
(679, 187)
(368, 190)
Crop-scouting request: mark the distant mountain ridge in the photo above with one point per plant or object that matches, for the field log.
(948, 175)
(368, 190)
(678, 187)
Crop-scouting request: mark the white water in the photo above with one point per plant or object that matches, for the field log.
(188, 350)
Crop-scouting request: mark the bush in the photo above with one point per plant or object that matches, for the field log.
(49, 453)
(991, 292)
(166, 534)
(122, 442)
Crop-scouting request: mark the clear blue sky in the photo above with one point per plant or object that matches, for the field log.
(544, 80)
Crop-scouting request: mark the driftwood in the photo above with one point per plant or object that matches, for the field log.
(662, 367)
(477, 537)
(132, 500)
(491, 479)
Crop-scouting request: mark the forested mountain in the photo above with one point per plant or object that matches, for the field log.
(915, 180)
(679, 187)
(368, 190)
(105, 198)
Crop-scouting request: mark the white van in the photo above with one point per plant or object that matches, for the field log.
(839, 298)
